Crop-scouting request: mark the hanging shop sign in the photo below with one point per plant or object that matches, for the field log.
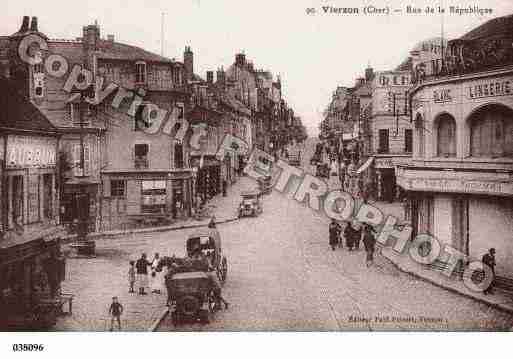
(30, 151)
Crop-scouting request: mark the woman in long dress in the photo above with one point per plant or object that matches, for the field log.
(156, 280)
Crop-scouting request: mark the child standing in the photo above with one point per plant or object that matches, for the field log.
(115, 310)
(131, 276)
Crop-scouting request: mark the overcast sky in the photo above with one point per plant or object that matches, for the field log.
(312, 53)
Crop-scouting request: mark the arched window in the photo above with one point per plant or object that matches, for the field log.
(140, 72)
(491, 132)
(446, 136)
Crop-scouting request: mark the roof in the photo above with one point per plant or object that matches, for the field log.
(495, 27)
(118, 51)
(202, 232)
(18, 113)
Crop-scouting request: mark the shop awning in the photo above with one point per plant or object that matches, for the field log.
(365, 165)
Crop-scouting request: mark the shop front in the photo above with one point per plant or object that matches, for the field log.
(144, 197)
(209, 180)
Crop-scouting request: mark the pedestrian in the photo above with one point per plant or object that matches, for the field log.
(369, 241)
(212, 223)
(334, 233)
(357, 236)
(349, 235)
(489, 260)
(156, 278)
(141, 267)
(131, 276)
(115, 311)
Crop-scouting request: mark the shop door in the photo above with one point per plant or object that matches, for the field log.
(47, 196)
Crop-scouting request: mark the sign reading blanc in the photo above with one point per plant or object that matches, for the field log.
(29, 151)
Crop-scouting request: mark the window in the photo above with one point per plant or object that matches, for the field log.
(383, 146)
(47, 196)
(76, 117)
(178, 156)
(117, 188)
(153, 196)
(446, 136)
(78, 171)
(17, 201)
(491, 132)
(408, 140)
(140, 72)
(141, 155)
(176, 78)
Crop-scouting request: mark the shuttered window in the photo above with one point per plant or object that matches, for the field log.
(491, 134)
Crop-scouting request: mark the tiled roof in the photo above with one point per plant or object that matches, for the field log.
(495, 27)
(118, 51)
(18, 113)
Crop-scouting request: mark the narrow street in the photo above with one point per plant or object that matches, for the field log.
(282, 276)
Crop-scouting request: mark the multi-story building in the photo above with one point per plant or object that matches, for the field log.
(460, 179)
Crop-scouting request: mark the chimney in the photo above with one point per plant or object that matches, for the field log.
(25, 24)
(33, 24)
(220, 76)
(91, 35)
(240, 59)
(210, 77)
(188, 62)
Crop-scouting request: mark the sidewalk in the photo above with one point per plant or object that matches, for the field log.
(225, 210)
(500, 299)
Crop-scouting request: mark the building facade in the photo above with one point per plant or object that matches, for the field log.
(460, 179)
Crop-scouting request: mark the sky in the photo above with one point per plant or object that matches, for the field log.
(312, 52)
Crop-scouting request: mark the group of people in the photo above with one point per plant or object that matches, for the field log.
(353, 233)
(139, 276)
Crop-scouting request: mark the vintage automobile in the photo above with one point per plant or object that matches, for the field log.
(265, 184)
(209, 242)
(251, 204)
(191, 283)
(191, 296)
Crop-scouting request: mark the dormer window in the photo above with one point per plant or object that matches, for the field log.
(140, 72)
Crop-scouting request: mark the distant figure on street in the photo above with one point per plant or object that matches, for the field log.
(357, 236)
(115, 311)
(334, 234)
(489, 260)
(131, 276)
(369, 241)
(349, 233)
(212, 223)
(141, 266)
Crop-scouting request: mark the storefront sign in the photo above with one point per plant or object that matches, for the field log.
(384, 163)
(490, 88)
(442, 96)
(458, 186)
(30, 151)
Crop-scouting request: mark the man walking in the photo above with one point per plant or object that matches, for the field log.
(489, 260)
(334, 230)
(349, 233)
(141, 266)
(369, 242)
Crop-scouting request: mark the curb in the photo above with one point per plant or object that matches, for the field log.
(100, 235)
(159, 320)
(449, 288)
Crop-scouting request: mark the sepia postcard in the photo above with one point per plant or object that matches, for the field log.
(256, 166)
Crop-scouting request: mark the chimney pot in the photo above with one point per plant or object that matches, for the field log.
(33, 24)
(25, 24)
